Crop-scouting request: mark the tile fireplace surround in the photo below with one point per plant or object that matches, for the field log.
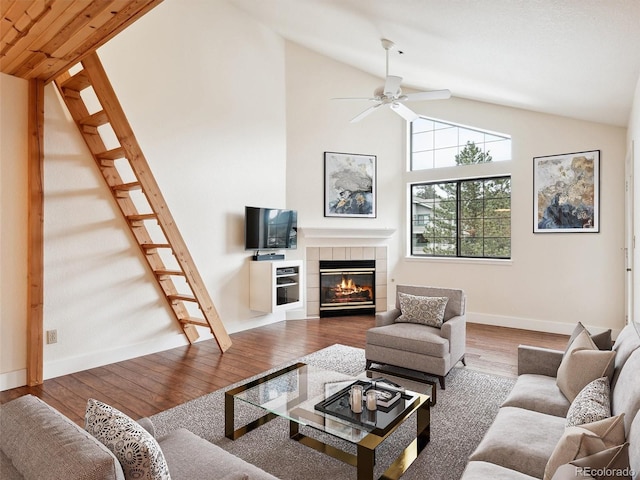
(315, 254)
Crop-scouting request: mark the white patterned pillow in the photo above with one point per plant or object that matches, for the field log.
(593, 403)
(424, 310)
(137, 451)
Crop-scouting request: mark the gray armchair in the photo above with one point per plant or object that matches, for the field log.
(416, 348)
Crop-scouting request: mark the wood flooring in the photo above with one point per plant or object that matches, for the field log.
(147, 385)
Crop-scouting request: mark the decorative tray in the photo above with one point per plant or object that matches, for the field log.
(337, 405)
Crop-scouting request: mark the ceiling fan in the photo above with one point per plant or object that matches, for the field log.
(391, 94)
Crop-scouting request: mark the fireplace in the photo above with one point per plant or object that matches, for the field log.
(347, 287)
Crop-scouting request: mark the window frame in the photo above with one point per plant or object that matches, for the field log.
(458, 127)
(457, 220)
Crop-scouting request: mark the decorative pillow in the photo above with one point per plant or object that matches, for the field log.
(610, 464)
(425, 310)
(602, 340)
(138, 452)
(585, 440)
(593, 403)
(582, 364)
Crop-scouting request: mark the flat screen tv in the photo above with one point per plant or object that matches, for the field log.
(270, 228)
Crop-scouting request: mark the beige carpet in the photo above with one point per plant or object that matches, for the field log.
(460, 418)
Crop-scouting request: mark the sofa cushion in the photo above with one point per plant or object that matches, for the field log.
(410, 337)
(424, 310)
(485, 471)
(627, 342)
(517, 430)
(633, 437)
(7, 470)
(593, 403)
(601, 340)
(138, 452)
(43, 443)
(192, 457)
(581, 364)
(539, 393)
(625, 395)
(585, 440)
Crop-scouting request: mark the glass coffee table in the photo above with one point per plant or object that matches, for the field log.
(318, 398)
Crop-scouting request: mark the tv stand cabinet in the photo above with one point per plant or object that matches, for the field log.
(275, 285)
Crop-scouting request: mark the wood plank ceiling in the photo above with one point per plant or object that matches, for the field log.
(39, 39)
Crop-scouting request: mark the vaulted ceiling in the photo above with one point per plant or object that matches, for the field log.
(42, 38)
(576, 58)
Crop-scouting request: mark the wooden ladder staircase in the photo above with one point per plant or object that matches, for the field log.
(138, 196)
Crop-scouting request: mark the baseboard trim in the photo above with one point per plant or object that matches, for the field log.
(15, 379)
(547, 326)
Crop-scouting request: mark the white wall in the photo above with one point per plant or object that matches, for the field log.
(13, 230)
(552, 281)
(206, 100)
(228, 114)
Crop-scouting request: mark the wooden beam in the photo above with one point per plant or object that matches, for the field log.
(35, 249)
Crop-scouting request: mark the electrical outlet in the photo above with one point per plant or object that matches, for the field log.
(52, 336)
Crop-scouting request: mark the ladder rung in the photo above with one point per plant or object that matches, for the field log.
(153, 246)
(194, 321)
(96, 119)
(125, 187)
(162, 272)
(67, 92)
(142, 216)
(113, 154)
(181, 297)
(77, 82)
(89, 129)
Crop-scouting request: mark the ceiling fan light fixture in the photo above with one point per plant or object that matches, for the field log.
(391, 94)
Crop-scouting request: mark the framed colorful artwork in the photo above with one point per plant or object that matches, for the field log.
(566, 193)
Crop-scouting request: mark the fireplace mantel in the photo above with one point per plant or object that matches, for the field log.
(372, 233)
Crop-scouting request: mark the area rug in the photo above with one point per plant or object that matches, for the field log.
(463, 413)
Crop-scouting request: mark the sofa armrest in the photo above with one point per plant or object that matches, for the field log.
(43, 443)
(387, 318)
(455, 330)
(538, 360)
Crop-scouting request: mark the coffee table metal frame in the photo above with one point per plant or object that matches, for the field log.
(364, 459)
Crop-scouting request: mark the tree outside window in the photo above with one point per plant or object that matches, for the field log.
(463, 218)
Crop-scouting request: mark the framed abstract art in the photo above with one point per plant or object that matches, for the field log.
(566, 193)
(349, 185)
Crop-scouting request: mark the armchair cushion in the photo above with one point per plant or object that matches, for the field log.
(424, 310)
(410, 337)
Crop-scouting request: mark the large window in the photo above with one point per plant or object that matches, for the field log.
(463, 218)
(436, 144)
(468, 215)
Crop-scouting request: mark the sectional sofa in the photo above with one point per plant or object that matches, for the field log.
(540, 433)
(38, 442)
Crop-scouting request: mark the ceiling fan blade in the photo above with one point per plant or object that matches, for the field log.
(355, 98)
(368, 111)
(392, 85)
(432, 95)
(405, 112)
